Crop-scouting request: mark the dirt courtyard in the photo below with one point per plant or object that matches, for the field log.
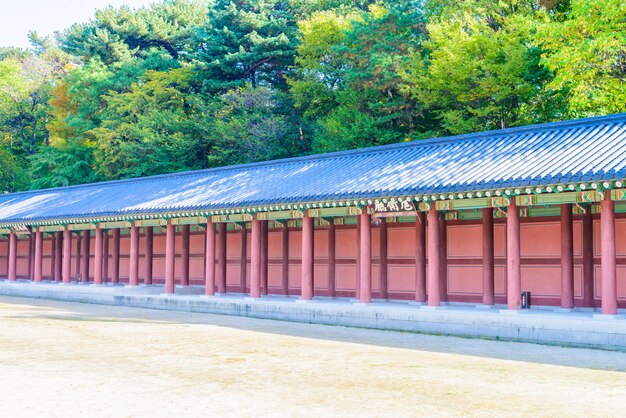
(69, 359)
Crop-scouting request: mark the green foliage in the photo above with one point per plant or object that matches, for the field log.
(119, 35)
(61, 166)
(149, 129)
(12, 175)
(246, 42)
(348, 127)
(303, 9)
(188, 84)
(319, 67)
(253, 124)
(587, 52)
(348, 72)
(479, 69)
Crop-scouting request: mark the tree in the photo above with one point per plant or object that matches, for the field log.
(587, 52)
(64, 165)
(186, 84)
(246, 42)
(24, 91)
(25, 86)
(346, 78)
(119, 35)
(250, 124)
(376, 48)
(12, 174)
(320, 68)
(150, 129)
(480, 68)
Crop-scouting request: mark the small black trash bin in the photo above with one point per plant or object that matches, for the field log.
(525, 300)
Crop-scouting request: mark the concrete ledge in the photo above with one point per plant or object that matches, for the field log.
(432, 308)
(607, 317)
(577, 328)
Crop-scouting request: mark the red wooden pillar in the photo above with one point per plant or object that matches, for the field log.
(307, 259)
(31, 258)
(38, 255)
(420, 257)
(170, 257)
(443, 253)
(67, 256)
(115, 250)
(7, 255)
(58, 257)
(105, 256)
(285, 266)
(513, 257)
(357, 293)
(257, 242)
(209, 257)
(434, 258)
(383, 257)
(84, 261)
(221, 271)
(264, 256)
(588, 267)
(185, 256)
(332, 260)
(365, 249)
(149, 254)
(133, 275)
(567, 257)
(12, 269)
(609, 262)
(97, 257)
(488, 258)
(53, 255)
(243, 285)
(77, 261)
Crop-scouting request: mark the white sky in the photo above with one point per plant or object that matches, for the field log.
(18, 17)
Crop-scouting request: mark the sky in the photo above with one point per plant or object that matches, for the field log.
(18, 17)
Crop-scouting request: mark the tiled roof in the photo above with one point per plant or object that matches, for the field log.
(584, 150)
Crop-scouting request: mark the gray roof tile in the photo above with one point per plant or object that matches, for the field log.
(592, 149)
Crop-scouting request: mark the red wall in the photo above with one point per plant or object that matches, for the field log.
(540, 250)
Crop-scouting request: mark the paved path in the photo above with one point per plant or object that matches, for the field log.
(71, 359)
(582, 327)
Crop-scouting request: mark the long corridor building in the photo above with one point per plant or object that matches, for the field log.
(476, 218)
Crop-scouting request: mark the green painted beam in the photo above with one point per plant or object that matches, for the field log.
(476, 203)
(115, 225)
(535, 212)
(235, 217)
(335, 212)
(81, 227)
(192, 220)
(275, 216)
(150, 222)
(472, 215)
(51, 228)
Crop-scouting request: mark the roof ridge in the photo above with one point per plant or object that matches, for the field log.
(596, 120)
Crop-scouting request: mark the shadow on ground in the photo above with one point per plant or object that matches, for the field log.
(503, 350)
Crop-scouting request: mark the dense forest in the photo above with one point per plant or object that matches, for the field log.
(190, 84)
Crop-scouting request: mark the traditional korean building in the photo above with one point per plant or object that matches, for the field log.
(476, 218)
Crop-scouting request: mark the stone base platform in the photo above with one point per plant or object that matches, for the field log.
(579, 327)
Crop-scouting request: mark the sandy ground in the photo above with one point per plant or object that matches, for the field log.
(68, 359)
